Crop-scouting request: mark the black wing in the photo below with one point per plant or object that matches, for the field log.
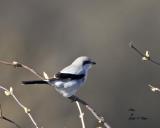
(66, 76)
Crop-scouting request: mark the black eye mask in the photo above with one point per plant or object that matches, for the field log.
(86, 62)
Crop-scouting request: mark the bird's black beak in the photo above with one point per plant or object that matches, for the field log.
(93, 62)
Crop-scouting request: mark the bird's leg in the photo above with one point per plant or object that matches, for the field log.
(74, 98)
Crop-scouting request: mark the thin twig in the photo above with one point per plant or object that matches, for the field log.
(26, 110)
(7, 119)
(81, 114)
(99, 118)
(154, 89)
(146, 56)
(17, 65)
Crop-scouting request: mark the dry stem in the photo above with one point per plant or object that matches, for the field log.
(81, 114)
(145, 56)
(99, 118)
(26, 110)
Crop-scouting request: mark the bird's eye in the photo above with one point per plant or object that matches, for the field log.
(86, 62)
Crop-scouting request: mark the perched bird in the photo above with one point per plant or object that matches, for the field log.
(69, 79)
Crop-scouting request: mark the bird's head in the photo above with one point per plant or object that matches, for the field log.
(85, 62)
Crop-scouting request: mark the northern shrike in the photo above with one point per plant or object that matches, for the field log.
(69, 79)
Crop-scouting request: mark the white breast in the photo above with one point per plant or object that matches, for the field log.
(68, 88)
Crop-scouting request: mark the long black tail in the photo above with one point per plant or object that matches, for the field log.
(34, 82)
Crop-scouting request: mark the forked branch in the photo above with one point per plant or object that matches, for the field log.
(100, 119)
(146, 57)
(26, 110)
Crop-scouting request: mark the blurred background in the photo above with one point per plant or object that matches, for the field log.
(49, 34)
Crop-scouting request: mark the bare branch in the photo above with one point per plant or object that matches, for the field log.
(146, 56)
(20, 65)
(81, 114)
(154, 89)
(99, 118)
(26, 110)
(16, 64)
